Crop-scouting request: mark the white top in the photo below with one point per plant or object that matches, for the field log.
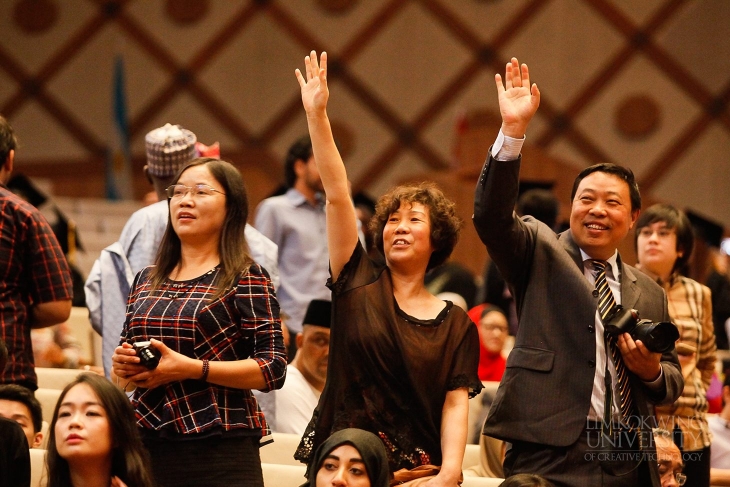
(295, 403)
(720, 451)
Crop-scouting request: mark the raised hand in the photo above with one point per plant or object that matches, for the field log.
(518, 101)
(314, 89)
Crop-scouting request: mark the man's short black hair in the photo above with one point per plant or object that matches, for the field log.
(620, 172)
(8, 141)
(16, 393)
(541, 204)
(301, 150)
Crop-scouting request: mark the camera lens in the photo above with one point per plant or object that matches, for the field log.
(657, 337)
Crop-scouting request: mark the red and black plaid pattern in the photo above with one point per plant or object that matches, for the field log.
(243, 323)
(33, 270)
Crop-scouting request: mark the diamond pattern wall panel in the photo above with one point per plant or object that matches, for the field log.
(403, 73)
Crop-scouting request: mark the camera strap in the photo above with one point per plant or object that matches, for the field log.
(608, 400)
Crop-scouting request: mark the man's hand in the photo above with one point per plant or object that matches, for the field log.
(639, 359)
(518, 101)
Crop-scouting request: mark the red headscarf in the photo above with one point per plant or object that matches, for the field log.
(491, 365)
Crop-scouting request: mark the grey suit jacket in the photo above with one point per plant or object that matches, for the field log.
(545, 393)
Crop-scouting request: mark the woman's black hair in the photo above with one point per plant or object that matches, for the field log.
(232, 248)
(130, 461)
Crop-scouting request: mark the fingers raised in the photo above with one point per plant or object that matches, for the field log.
(498, 81)
(300, 78)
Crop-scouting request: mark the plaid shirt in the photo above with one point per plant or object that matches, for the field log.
(690, 308)
(243, 323)
(33, 270)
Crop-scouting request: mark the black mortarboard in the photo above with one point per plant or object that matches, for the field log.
(24, 187)
(63, 227)
(708, 230)
(318, 313)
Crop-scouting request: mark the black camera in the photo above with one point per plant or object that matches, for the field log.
(657, 337)
(148, 355)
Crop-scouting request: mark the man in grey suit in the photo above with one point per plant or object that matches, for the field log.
(552, 404)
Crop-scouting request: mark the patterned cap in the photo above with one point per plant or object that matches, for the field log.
(168, 149)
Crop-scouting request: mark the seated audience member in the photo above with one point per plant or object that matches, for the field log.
(19, 404)
(55, 346)
(491, 457)
(305, 376)
(493, 333)
(669, 459)
(525, 480)
(349, 457)
(14, 456)
(93, 438)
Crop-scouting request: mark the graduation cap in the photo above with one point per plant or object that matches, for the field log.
(22, 186)
(706, 229)
(63, 227)
(536, 198)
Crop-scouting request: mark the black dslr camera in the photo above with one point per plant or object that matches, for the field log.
(148, 355)
(657, 337)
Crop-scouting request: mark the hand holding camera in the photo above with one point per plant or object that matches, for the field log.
(657, 337)
(148, 355)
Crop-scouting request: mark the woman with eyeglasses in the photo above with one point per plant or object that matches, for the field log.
(212, 322)
(664, 242)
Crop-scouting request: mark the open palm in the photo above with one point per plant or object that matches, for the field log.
(314, 89)
(518, 101)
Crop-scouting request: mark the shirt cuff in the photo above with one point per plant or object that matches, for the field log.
(507, 148)
(656, 385)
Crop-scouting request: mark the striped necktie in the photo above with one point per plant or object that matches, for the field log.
(606, 304)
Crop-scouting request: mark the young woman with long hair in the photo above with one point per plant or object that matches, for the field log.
(93, 438)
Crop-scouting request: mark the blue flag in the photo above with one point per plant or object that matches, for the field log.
(118, 161)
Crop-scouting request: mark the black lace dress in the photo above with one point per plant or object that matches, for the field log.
(388, 372)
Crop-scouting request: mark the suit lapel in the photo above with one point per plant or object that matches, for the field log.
(630, 292)
(566, 239)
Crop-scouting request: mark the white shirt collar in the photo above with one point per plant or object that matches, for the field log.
(612, 261)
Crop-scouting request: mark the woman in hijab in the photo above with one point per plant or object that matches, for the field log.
(351, 457)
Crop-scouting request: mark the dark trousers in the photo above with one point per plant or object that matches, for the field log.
(697, 467)
(213, 462)
(580, 464)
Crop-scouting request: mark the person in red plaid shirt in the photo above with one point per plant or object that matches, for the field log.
(212, 315)
(35, 287)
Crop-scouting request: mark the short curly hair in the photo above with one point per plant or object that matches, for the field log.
(445, 224)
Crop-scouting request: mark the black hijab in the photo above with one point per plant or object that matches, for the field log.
(371, 450)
